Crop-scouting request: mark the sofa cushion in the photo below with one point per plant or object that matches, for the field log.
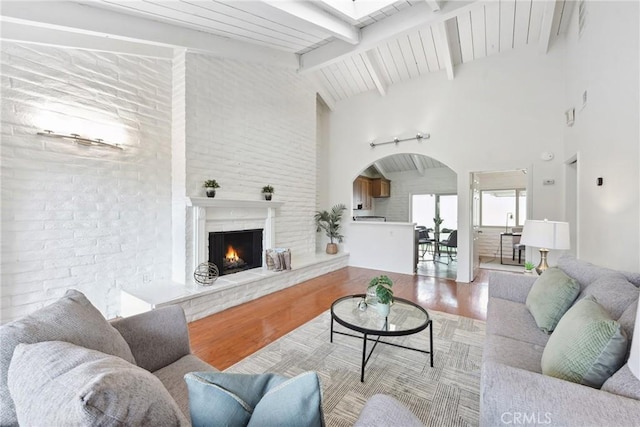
(628, 319)
(623, 383)
(172, 377)
(512, 352)
(383, 410)
(586, 273)
(73, 319)
(550, 297)
(58, 383)
(254, 400)
(613, 292)
(513, 320)
(587, 347)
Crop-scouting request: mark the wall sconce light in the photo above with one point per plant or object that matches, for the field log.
(74, 137)
(419, 136)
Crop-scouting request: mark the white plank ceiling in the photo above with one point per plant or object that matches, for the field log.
(350, 47)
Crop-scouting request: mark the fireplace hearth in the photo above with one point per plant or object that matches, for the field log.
(235, 251)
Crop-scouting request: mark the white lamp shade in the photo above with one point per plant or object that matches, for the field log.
(634, 357)
(546, 234)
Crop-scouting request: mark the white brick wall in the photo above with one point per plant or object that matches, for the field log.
(76, 217)
(249, 125)
(405, 184)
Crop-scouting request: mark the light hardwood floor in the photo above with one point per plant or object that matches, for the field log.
(225, 338)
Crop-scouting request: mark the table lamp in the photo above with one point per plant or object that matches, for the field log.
(545, 235)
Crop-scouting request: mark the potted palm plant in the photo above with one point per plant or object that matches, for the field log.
(210, 186)
(267, 190)
(382, 285)
(330, 223)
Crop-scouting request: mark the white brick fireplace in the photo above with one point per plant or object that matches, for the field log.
(212, 215)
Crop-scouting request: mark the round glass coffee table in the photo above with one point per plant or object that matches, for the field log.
(405, 318)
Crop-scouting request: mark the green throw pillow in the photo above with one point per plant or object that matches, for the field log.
(217, 399)
(587, 347)
(550, 297)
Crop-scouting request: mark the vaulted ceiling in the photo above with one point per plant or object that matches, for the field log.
(347, 46)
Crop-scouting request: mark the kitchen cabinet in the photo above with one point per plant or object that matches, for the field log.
(362, 193)
(380, 187)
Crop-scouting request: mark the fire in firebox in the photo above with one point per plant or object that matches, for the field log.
(232, 260)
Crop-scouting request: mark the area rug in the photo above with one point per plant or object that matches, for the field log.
(446, 395)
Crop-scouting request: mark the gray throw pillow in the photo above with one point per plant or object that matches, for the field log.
(56, 383)
(217, 399)
(587, 347)
(550, 297)
(73, 319)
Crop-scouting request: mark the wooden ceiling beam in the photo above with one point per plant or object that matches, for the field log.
(320, 19)
(375, 71)
(445, 48)
(418, 164)
(434, 5)
(392, 27)
(546, 29)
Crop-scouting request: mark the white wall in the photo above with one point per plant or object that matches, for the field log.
(498, 113)
(93, 219)
(606, 134)
(249, 125)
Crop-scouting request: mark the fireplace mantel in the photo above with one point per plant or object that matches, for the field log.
(211, 214)
(211, 202)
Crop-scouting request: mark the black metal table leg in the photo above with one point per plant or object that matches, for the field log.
(431, 341)
(331, 338)
(364, 356)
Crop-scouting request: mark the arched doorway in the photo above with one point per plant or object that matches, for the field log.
(412, 188)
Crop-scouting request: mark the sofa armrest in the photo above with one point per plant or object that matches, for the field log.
(510, 286)
(157, 338)
(512, 396)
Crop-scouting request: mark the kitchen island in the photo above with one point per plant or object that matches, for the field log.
(388, 246)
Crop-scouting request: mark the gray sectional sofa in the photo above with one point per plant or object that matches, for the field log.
(513, 389)
(130, 371)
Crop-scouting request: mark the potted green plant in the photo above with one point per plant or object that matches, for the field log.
(267, 190)
(210, 186)
(528, 267)
(382, 285)
(330, 223)
(437, 222)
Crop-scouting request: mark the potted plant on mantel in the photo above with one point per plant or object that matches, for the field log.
(382, 285)
(210, 186)
(267, 190)
(330, 223)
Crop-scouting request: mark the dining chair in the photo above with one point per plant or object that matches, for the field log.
(517, 246)
(451, 246)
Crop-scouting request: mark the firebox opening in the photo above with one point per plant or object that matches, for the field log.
(235, 251)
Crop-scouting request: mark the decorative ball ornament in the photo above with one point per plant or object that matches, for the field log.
(206, 273)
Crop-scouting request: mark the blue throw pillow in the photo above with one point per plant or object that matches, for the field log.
(217, 399)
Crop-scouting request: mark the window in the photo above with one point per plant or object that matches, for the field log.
(503, 208)
(424, 208)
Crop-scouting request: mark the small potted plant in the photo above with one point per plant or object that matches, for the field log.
(210, 186)
(382, 285)
(528, 267)
(267, 190)
(330, 223)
